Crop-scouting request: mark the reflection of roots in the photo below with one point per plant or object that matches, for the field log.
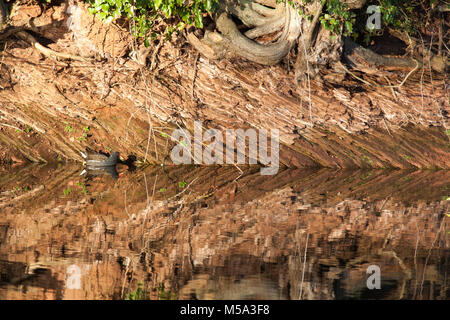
(263, 17)
(389, 254)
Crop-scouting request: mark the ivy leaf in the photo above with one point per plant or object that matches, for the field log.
(109, 19)
(208, 5)
(349, 26)
(198, 20)
(186, 17)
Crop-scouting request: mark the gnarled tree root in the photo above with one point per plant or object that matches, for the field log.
(281, 21)
(229, 41)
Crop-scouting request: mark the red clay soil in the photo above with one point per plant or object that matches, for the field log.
(51, 110)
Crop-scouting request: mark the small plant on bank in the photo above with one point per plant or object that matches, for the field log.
(84, 135)
(145, 14)
(83, 187)
(403, 16)
(68, 127)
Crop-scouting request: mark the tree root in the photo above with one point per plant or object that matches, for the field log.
(368, 61)
(3, 11)
(47, 51)
(264, 19)
(22, 34)
(304, 46)
(381, 86)
(315, 47)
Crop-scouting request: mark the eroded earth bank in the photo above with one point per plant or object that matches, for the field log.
(338, 204)
(53, 109)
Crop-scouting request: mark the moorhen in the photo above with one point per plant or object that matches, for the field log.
(94, 159)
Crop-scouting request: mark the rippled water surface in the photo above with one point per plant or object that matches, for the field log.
(209, 233)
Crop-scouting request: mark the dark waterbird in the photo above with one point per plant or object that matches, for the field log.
(94, 159)
(100, 164)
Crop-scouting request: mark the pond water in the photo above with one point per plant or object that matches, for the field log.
(187, 232)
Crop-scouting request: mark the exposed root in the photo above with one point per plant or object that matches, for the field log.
(229, 41)
(47, 51)
(363, 59)
(378, 85)
(304, 47)
(3, 11)
(22, 34)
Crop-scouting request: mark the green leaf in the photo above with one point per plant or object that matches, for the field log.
(186, 17)
(349, 26)
(207, 5)
(109, 19)
(198, 20)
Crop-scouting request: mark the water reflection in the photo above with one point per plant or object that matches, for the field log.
(91, 172)
(198, 233)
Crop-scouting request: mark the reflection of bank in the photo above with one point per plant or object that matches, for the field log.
(51, 280)
(351, 281)
(248, 239)
(250, 287)
(73, 280)
(35, 282)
